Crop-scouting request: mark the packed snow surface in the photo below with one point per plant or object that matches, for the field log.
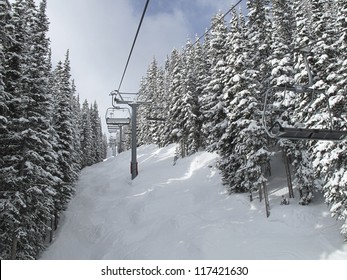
(182, 211)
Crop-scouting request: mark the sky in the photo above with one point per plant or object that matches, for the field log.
(99, 35)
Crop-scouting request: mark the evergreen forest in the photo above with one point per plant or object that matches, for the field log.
(46, 136)
(210, 94)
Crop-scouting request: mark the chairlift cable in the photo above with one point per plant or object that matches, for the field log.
(133, 45)
(138, 30)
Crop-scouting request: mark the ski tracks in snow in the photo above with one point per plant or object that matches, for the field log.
(183, 212)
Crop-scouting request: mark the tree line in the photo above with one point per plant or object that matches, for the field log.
(210, 95)
(46, 136)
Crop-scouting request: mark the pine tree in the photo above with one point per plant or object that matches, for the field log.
(302, 38)
(299, 151)
(95, 121)
(76, 128)
(282, 44)
(191, 114)
(86, 135)
(233, 99)
(341, 46)
(249, 138)
(6, 213)
(161, 109)
(259, 28)
(204, 80)
(334, 157)
(4, 43)
(104, 146)
(282, 61)
(282, 102)
(175, 125)
(142, 113)
(201, 70)
(167, 97)
(212, 108)
(184, 109)
(63, 126)
(26, 173)
(150, 92)
(323, 65)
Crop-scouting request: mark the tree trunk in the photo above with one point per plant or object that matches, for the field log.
(289, 176)
(52, 230)
(14, 245)
(266, 196)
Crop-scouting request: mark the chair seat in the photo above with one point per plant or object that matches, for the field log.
(117, 121)
(307, 133)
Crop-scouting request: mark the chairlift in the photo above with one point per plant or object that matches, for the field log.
(113, 129)
(119, 98)
(117, 116)
(280, 130)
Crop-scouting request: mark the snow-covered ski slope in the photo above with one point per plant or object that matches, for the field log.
(182, 212)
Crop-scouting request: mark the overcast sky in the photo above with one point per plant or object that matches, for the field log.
(99, 35)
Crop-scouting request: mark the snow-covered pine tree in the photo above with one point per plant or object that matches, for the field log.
(174, 124)
(166, 137)
(94, 134)
(185, 110)
(259, 28)
(104, 146)
(141, 114)
(282, 61)
(54, 168)
(212, 109)
(281, 58)
(86, 135)
(235, 84)
(300, 154)
(4, 43)
(150, 92)
(161, 109)
(250, 138)
(5, 197)
(341, 47)
(27, 175)
(191, 110)
(204, 76)
(201, 70)
(63, 125)
(282, 103)
(76, 124)
(332, 159)
(323, 65)
(95, 121)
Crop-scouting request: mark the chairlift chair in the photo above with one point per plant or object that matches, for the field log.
(279, 130)
(113, 129)
(117, 116)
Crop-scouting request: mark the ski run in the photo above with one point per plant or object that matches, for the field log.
(182, 212)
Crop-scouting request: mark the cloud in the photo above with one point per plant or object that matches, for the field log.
(99, 35)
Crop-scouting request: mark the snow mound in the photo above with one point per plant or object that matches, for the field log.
(181, 212)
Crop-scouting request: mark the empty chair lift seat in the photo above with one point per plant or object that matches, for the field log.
(118, 121)
(307, 133)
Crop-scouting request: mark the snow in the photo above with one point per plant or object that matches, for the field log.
(183, 212)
